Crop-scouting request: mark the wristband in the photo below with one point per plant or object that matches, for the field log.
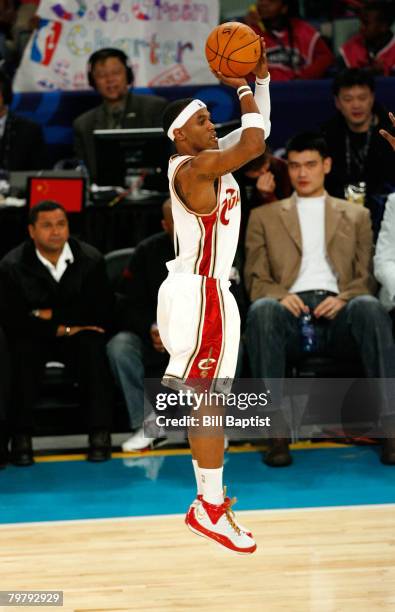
(67, 330)
(242, 88)
(264, 81)
(245, 93)
(252, 120)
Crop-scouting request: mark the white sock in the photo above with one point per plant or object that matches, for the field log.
(197, 476)
(211, 483)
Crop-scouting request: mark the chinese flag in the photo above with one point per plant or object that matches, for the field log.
(69, 192)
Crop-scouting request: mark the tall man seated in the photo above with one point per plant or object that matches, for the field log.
(56, 302)
(312, 253)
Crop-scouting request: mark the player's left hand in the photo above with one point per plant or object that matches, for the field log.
(387, 135)
(329, 308)
(261, 69)
(234, 82)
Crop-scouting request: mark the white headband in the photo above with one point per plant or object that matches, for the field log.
(184, 116)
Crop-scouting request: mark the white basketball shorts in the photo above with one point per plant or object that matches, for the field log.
(199, 325)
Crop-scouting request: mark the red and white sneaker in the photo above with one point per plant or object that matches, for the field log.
(216, 522)
(199, 498)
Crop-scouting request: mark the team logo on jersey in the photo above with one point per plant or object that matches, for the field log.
(231, 200)
(206, 364)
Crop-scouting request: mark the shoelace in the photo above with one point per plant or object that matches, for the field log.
(230, 515)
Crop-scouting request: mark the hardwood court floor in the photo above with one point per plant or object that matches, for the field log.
(320, 560)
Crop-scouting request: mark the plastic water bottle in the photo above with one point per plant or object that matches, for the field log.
(307, 333)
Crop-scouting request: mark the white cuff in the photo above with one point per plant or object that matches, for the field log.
(243, 88)
(264, 81)
(245, 93)
(252, 120)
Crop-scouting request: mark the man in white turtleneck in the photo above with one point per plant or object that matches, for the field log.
(312, 254)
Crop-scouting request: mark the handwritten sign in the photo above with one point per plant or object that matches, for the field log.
(164, 40)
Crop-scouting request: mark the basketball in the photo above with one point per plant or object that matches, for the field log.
(233, 49)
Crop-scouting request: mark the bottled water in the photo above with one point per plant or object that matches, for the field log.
(307, 333)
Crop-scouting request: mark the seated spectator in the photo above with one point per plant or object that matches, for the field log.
(384, 259)
(374, 46)
(55, 305)
(361, 160)
(22, 145)
(110, 74)
(264, 180)
(312, 253)
(295, 49)
(4, 399)
(138, 343)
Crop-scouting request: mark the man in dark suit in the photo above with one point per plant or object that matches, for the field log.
(55, 304)
(110, 74)
(311, 254)
(22, 145)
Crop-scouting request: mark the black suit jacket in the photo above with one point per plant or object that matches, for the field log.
(141, 111)
(22, 146)
(81, 297)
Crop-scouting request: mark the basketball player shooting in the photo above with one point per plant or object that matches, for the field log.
(198, 318)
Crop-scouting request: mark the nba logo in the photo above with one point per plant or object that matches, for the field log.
(45, 41)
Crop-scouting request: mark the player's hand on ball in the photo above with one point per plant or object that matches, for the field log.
(261, 69)
(234, 82)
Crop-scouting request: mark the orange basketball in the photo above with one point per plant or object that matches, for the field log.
(233, 49)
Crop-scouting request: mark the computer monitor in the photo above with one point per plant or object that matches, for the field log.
(120, 151)
(67, 191)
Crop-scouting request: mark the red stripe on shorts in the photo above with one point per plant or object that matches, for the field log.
(205, 363)
(205, 264)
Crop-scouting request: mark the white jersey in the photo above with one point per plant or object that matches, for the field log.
(205, 244)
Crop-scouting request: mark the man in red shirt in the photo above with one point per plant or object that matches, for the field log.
(374, 46)
(295, 49)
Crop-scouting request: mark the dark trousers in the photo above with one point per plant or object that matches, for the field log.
(85, 354)
(362, 329)
(4, 379)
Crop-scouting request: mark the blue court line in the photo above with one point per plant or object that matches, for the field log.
(155, 485)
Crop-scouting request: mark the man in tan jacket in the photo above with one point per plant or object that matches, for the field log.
(312, 254)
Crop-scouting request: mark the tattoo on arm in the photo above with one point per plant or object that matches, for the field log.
(184, 196)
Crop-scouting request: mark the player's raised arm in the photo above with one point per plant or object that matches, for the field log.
(262, 99)
(210, 164)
